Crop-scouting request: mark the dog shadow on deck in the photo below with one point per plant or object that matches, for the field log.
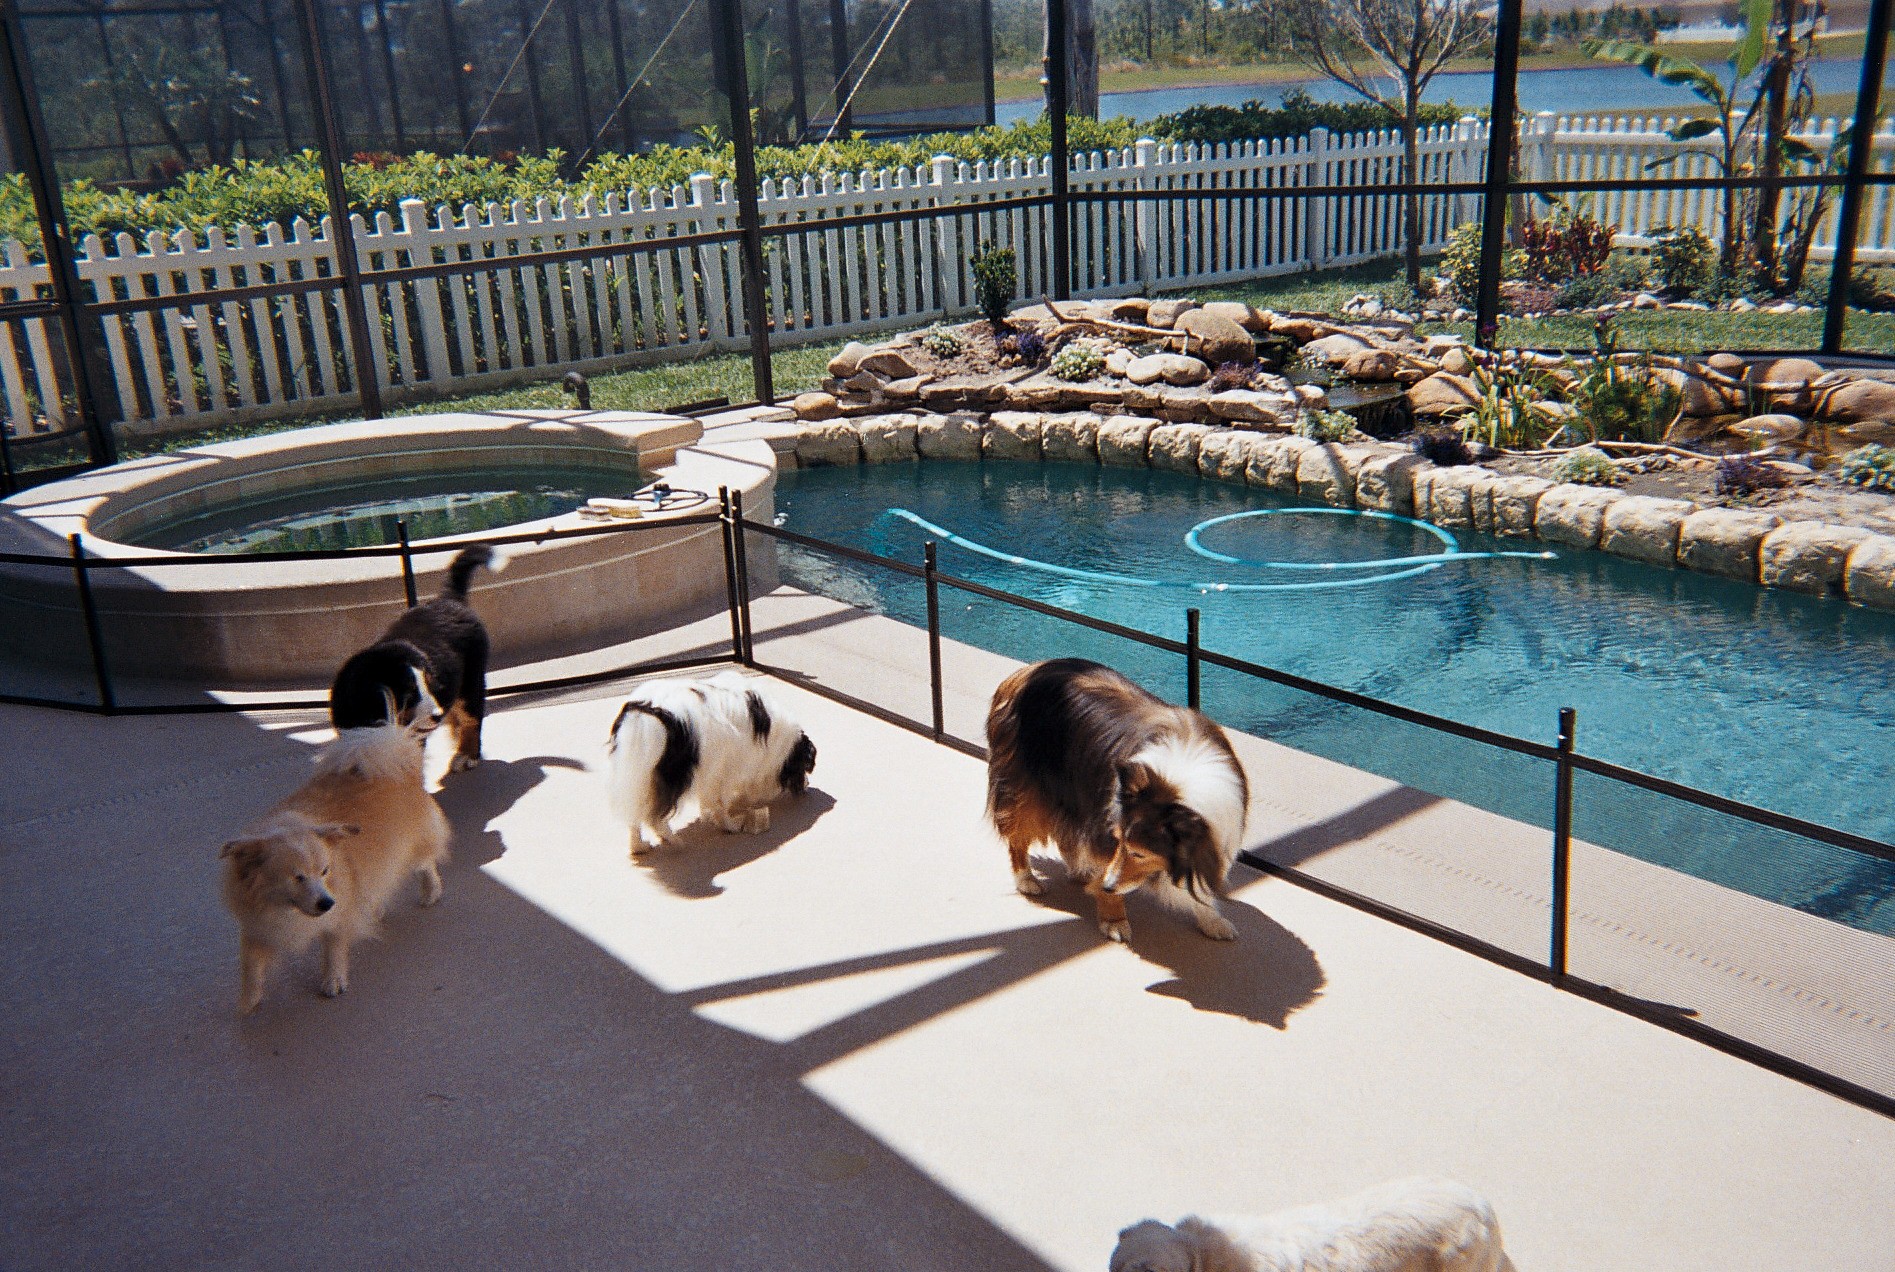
(689, 866)
(1266, 975)
(474, 800)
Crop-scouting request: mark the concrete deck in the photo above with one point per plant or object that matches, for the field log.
(845, 1043)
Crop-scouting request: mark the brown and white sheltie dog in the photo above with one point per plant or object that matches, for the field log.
(1130, 789)
(720, 749)
(324, 864)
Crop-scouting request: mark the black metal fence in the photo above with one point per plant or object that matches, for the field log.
(1578, 905)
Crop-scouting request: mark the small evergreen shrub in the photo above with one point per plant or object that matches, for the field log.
(1460, 260)
(1684, 260)
(941, 342)
(1586, 467)
(1871, 466)
(1080, 360)
(1443, 450)
(1324, 426)
(996, 280)
(1234, 375)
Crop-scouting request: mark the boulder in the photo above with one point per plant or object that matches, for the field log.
(1385, 482)
(1145, 397)
(1728, 363)
(1807, 556)
(905, 389)
(1070, 437)
(1791, 371)
(1326, 473)
(1173, 448)
(1771, 428)
(890, 364)
(1119, 362)
(1249, 317)
(1516, 500)
(1274, 463)
(1186, 401)
(1011, 435)
(1457, 361)
(866, 382)
(1451, 495)
(1164, 313)
(1724, 541)
(1123, 440)
(848, 360)
(1224, 454)
(816, 406)
(1130, 309)
(887, 439)
(1301, 330)
(1371, 365)
(948, 436)
(1573, 515)
(1336, 348)
(1250, 406)
(1442, 394)
(1869, 576)
(827, 444)
(1881, 432)
(1860, 401)
(1172, 368)
(1699, 397)
(1645, 528)
(1215, 339)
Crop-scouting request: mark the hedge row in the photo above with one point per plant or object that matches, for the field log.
(258, 192)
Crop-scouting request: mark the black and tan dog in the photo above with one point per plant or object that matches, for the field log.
(1133, 792)
(431, 664)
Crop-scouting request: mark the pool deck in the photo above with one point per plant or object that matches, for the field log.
(844, 1043)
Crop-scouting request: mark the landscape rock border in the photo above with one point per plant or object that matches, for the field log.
(1747, 546)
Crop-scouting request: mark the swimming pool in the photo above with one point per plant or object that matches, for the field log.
(1772, 698)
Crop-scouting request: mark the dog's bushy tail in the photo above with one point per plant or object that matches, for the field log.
(461, 572)
(653, 755)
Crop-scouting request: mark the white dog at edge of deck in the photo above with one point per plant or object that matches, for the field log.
(721, 749)
(1410, 1225)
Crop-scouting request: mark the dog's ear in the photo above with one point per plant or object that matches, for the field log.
(331, 832)
(1196, 865)
(245, 854)
(1134, 780)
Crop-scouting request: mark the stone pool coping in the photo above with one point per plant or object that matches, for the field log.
(1747, 545)
(291, 623)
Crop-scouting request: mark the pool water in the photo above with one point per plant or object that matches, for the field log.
(1775, 699)
(365, 514)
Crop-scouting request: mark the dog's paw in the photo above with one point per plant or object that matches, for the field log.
(333, 986)
(430, 887)
(462, 762)
(756, 821)
(1117, 930)
(1217, 927)
(1026, 885)
(247, 1005)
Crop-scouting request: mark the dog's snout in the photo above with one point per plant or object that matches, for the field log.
(325, 904)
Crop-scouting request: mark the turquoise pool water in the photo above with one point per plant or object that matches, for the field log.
(1777, 700)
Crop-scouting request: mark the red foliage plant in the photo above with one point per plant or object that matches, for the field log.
(1565, 247)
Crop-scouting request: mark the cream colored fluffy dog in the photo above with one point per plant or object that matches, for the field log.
(1410, 1225)
(324, 864)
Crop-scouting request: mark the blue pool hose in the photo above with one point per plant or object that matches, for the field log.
(1397, 567)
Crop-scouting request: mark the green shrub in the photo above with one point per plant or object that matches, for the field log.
(1079, 360)
(1586, 291)
(995, 281)
(1620, 401)
(1872, 466)
(1684, 260)
(1872, 290)
(1295, 116)
(1324, 426)
(1586, 467)
(1628, 272)
(1460, 260)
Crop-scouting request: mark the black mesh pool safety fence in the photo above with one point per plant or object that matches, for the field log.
(1749, 930)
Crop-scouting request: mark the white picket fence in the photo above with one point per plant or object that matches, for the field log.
(515, 311)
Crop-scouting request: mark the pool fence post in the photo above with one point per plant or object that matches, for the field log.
(1562, 844)
(743, 575)
(407, 563)
(730, 574)
(928, 569)
(1193, 694)
(95, 640)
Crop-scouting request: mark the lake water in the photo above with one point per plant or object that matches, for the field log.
(1579, 90)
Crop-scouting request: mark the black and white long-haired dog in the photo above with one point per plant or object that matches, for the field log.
(430, 665)
(1133, 791)
(719, 750)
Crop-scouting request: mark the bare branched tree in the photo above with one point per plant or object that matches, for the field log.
(1387, 51)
